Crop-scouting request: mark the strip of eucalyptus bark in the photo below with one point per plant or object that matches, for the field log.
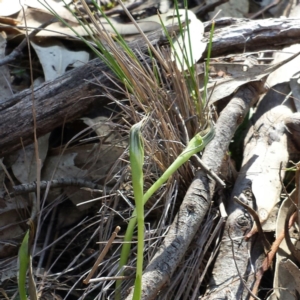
(199, 195)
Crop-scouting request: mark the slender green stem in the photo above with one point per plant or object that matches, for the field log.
(195, 145)
(136, 153)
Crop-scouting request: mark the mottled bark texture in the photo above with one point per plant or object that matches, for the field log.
(59, 101)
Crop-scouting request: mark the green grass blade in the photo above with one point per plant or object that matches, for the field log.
(208, 62)
(119, 38)
(190, 75)
(23, 258)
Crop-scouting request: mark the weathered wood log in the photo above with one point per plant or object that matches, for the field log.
(56, 102)
(245, 35)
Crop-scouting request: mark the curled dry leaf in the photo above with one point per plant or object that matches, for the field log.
(294, 272)
(100, 125)
(266, 152)
(25, 168)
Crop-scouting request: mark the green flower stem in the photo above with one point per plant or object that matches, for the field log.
(136, 153)
(195, 145)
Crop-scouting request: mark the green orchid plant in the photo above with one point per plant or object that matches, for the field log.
(136, 152)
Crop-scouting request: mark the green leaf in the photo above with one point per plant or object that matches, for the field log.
(24, 257)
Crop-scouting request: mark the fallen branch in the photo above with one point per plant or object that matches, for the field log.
(245, 35)
(57, 102)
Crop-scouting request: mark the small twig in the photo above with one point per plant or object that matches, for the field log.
(201, 10)
(210, 172)
(289, 221)
(60, 182)
(237, 268)
(18, 50)
(222, 209)
(267, 262)
(266, 8)
(254, 215)
(111, 278)
(102, 255)
(2, 291)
